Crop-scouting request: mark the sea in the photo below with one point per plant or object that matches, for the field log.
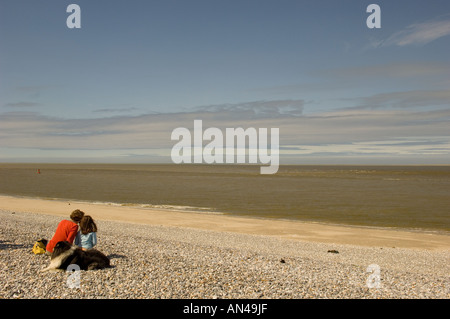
(415, 198)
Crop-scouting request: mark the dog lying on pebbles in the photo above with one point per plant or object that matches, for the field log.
(64, 254)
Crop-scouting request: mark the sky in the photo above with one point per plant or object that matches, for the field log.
(113, 90)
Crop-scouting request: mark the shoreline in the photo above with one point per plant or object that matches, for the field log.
(284, 229)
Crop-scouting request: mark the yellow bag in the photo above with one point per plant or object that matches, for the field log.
(39, 247)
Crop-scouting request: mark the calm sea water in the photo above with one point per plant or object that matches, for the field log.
(413, 197)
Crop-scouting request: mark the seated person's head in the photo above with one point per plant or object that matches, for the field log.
(77, 215)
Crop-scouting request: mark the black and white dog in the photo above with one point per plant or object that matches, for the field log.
(64, 254)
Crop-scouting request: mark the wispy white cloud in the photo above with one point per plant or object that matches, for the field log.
(388, 70)
(332, 81)
(118, 110)
(22, 104)
(258, 109)
(405, 99)
(417, 34)
(412, 146)
(345, 132)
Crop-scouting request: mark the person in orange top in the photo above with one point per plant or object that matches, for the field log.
(66, 230)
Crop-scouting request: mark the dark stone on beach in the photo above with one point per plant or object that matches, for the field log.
(282, 261)
(333, 251)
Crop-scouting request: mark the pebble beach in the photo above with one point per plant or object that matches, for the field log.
(167, 262)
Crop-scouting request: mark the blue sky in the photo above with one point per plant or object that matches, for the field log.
(114, 90)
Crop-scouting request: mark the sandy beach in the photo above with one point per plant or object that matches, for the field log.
(165, 254)
(295, 230)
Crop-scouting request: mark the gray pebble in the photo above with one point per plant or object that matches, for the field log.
(172, 262)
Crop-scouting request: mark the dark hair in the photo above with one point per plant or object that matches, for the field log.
(87, 225)
(77, 215)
